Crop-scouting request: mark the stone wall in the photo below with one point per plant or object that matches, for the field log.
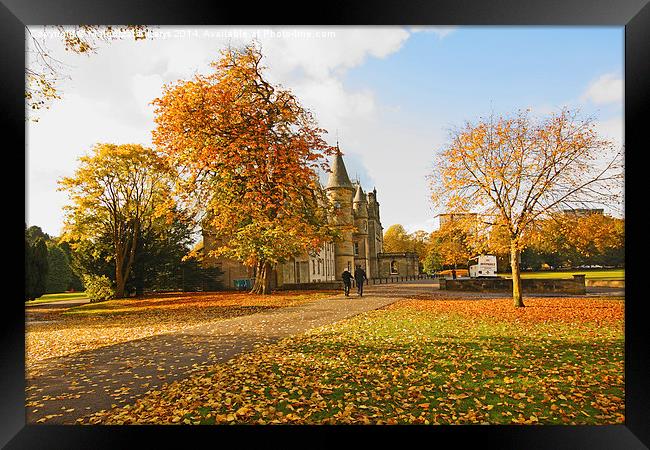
(606, 283)
(575, 286)
(406, 264)
(323, 286)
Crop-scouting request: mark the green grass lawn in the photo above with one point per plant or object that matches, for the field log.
(57, 297)
(417, 362)
(606, 274)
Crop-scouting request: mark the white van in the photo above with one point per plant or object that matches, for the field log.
(486, 267)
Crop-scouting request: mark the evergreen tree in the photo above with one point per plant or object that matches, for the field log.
(29, 272)
(34, 233)
(40, 267)
(59, 275)
(75, 278)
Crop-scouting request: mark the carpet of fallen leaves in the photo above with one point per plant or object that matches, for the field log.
(558, 361)
(53, 332)
(569, 310)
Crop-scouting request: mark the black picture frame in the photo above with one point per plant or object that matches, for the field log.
(634, 15)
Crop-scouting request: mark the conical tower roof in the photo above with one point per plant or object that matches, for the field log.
(339, 176)
(360, 197)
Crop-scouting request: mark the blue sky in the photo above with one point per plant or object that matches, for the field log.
(390, 93)
(478, 69)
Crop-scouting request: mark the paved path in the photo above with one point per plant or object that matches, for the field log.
(73, 386)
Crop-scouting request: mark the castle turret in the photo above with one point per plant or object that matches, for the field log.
(360, 203)
(375, 234)
(340, 192)
(360, 237)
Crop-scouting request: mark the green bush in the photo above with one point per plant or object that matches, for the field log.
(98, 288)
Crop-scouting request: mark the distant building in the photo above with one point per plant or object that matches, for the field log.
(582, 212)
(363, 246)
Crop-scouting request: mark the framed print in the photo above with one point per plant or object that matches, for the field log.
(231, 204)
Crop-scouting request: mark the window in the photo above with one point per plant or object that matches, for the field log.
(356, 249)
(313, 267)
(393, 267)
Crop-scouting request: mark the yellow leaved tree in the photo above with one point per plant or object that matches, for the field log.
(515, 170)
(117, 191)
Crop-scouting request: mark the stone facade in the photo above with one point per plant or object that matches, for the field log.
(398, 264)
(357, 214)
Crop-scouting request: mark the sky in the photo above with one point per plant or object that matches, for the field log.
(390, 94)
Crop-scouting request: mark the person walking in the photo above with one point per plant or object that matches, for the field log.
(347, 282)
(359, 277)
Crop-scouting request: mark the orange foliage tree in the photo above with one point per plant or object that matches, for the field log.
(452, 244)
(569, 240)
(516, 170)
(246, 154)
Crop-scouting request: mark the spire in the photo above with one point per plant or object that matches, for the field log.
(339, 176)
(359, 197)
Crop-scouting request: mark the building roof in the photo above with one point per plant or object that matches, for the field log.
(339, 176)
(360, 196)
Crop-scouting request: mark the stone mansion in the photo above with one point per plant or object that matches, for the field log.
(363, 246)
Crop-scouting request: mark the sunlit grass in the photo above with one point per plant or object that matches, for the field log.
(608, 274)
(48, 298)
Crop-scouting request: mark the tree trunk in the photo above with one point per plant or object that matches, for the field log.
(122, 265)
(120, 281)
(262, 283)
(516, 276)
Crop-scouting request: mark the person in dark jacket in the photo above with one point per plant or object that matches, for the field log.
(359, 277)
(347, 282)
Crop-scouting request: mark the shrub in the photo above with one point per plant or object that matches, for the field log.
(98, 288)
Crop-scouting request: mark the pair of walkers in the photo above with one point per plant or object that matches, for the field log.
(359, 278)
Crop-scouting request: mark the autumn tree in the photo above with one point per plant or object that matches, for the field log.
(569, 240)
(115, 194)
(396, 239)
(451, 244)
(518, 170)
(246, 153)
(44, 72)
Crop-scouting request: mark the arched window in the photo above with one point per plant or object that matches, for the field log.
(393, 267)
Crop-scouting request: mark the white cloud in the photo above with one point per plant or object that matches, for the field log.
(608, 88)
(145, 88)
(337, 50)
